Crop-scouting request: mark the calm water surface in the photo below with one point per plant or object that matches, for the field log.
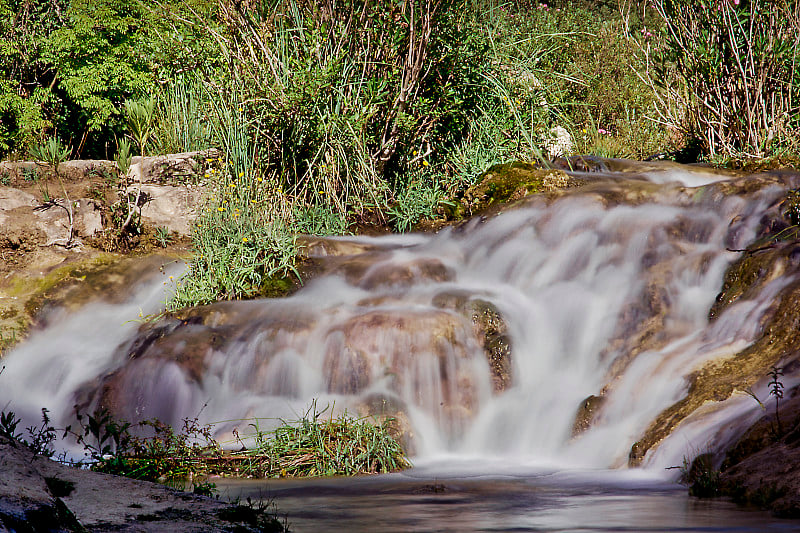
(424, 500)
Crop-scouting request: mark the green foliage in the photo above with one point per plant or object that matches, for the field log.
(736, 63)
(51, 152)
(242, 237)
(123, 157)
(66, 65)
(311, 446)
(27, 101)
(163, 237)
(416, 201)
(318, 220)
(139, 116)
(314, 446)
(700, 476)
(40, 438)
(54, 153)
(182, 118)
(8, 425)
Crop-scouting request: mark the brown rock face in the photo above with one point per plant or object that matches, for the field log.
(586, 414)
(489, 326)
(768, 259)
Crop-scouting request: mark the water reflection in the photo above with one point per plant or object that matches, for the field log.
(418, 501)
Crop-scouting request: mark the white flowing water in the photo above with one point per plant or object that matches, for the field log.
(573, 281)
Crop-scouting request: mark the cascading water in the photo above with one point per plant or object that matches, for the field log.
(596, 293)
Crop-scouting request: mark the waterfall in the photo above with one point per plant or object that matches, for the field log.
(589, 296)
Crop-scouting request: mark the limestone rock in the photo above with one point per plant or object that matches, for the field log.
(171, 207)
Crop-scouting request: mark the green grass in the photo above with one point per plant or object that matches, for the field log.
(312, 446)
(321, 131)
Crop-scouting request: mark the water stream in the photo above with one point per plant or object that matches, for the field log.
(596, 294)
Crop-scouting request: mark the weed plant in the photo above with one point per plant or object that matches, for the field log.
(314, 446)
(53, 153)
(735, 64)
(242, 238)
(311, 446)
(182, 120)
(700, 476)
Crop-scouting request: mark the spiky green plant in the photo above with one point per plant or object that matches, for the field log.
(53, 153)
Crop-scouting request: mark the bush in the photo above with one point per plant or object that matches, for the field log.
(736, 62)
(67, 65)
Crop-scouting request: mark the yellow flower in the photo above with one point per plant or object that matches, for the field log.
(260, 179)
(244, 239)
(207, 175)
(414, 152)
(425, 163)
(220, 209)
(240, 110)
(253, 201)
(241, 174)
(232, 185)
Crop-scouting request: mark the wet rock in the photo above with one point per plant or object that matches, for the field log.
(779, 343)
(509, 182)
(490, 327)
(394, 274)
(423, 352)
(586, 414)
(317, 247)
(165, 365)
(763, 467)
(347, 370)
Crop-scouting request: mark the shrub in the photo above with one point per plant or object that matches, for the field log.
(736, 62)
(67, 65)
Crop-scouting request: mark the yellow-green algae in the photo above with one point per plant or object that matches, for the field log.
(102, 276)
(508, 182)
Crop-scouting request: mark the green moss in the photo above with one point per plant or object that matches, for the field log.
(277, 287)
(509, 182)
(38, 291)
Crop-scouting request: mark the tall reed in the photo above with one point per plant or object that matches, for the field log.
(737, 63)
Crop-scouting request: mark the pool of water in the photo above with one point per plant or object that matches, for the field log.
(425, 499)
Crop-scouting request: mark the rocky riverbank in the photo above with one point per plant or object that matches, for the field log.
(38, 495)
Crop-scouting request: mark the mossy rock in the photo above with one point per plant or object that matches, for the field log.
(278, 287)
(508, 182)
